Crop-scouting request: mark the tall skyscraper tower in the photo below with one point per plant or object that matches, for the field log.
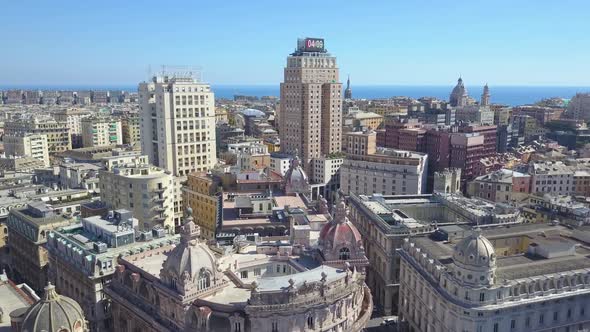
(178, 123)
(485, 96)
(311, 103)
(348, 90)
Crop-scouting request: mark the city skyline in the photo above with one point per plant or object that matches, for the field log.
(382, 44)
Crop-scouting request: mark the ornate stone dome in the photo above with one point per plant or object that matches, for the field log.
(191, 265)
(339, 238)
(475, 250)
(296, 180)
(459, 91)
(54, 313)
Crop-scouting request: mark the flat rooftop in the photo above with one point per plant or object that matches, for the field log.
(565, 252)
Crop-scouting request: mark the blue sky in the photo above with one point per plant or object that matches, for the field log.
(246, 42)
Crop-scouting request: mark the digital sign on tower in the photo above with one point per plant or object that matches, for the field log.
(312, 45)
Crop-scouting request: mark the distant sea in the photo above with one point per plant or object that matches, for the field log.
(509, 95)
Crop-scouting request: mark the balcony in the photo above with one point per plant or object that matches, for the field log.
(161, 218)
(160, 190)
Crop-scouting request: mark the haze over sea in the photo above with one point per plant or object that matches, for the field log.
(509, 95)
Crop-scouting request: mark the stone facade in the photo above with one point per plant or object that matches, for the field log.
(270, 290)
(466, 287)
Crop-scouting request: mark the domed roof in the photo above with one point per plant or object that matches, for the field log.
(475, 250)
(253, 112)
(189, 260)
(339, 232)
(459, 89)
(296, 180)
(54, 313)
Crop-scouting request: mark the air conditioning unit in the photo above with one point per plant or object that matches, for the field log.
(158, 232)
(146, 236)
(100, 247)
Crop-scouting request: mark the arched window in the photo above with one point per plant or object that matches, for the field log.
(310, 322)
(204, 281)
(143, 291)
(344, 254)
(78, 326)
(127, 281)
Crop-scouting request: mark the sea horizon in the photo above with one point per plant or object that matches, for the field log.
(512, 95)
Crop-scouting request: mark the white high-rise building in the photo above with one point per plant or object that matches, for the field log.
(178, 124)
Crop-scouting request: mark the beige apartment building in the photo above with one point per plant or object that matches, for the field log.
(58, 133)
(100, 131)
(30, 145)
(178, 124)
(28, 229)
(130, 128)
(369, 169)
(145, 190)
(310, 119)
(73, 118)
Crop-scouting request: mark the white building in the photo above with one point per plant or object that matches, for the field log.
(552, 177)
(324, 168)
(30, 145)
(99, 131)
(143, 189)
(481, 115)
(522, 278)
(279, 162)
(178, 124)
(388, 172)
(73, 118)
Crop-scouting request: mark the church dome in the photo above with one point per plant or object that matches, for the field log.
(296, 180)
(339, 238)
(191, 264)
(54, 313)
(458, 93)
(475, 251)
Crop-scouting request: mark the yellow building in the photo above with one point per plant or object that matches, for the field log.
(205, 197)
(221, 114)
(367, 120)
(273, 144)
(387, 109)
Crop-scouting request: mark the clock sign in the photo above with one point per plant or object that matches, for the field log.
(313, 45)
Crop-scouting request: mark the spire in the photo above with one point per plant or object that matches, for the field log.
(485, 96)
(476, 231)
(348, 90)
(340, 213)
(189, 231)
(50, 293)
